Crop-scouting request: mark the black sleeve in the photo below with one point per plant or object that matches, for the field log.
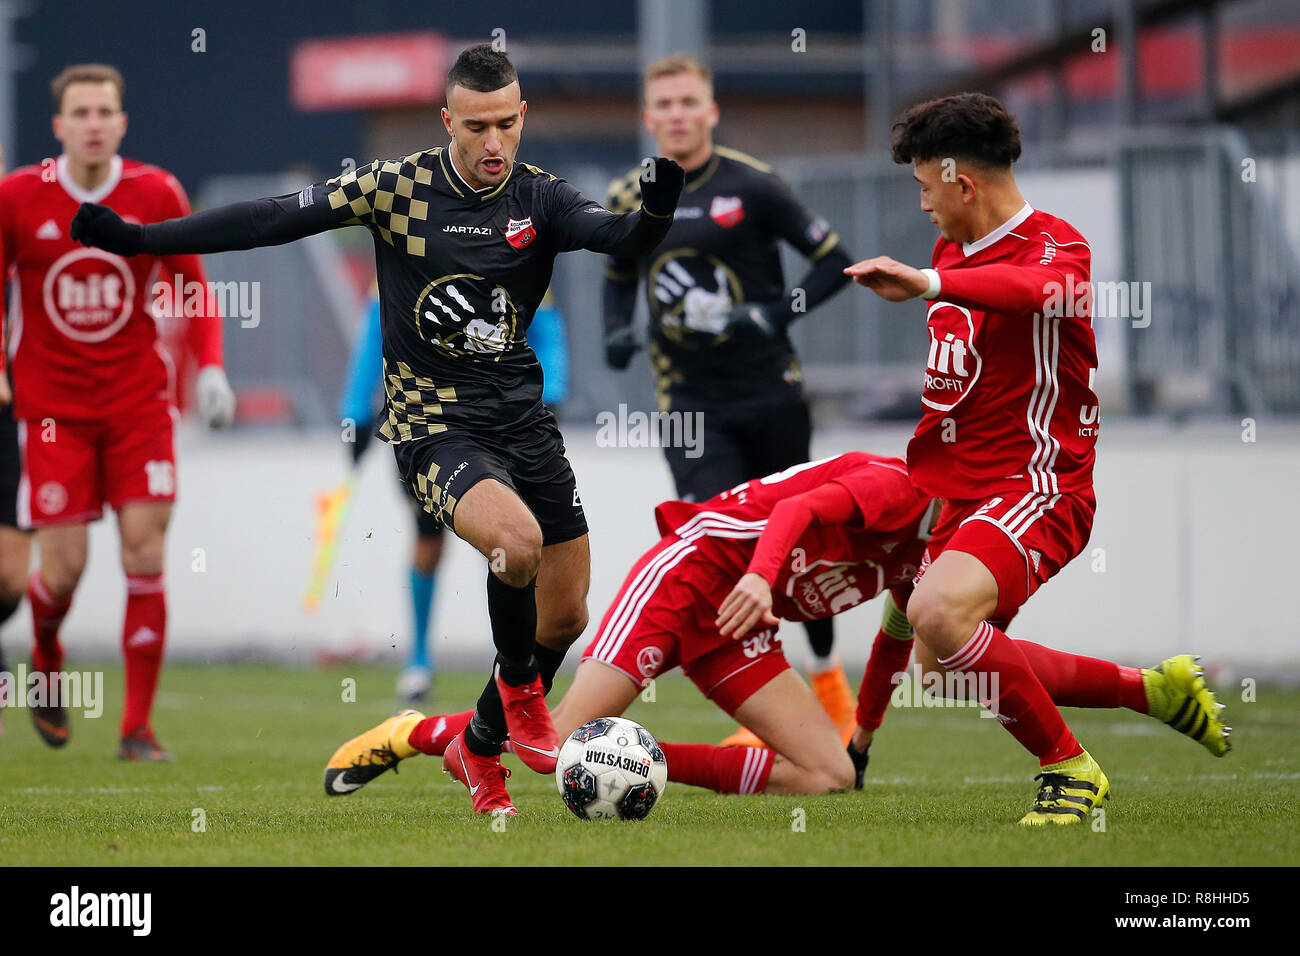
(622, 278)
(786, 216)
(346, 200)
(580, 223)
(618, 303)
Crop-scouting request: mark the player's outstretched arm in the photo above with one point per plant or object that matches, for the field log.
(272, 221)
(999, 286)
(583, 224)
(892, 280)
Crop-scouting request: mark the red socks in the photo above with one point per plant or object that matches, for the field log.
(142, 647)
(1074, 681)
(1014, 694)
(48, 613)
(889, 656)
(724, 769)
(432, 735)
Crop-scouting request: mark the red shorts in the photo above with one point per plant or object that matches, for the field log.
(663, 618)
(71, 468)
(1023, 538)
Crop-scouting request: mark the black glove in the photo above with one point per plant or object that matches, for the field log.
(620, 346)
(661, 186)
(99, 226)
(756, 322)
(860, 761)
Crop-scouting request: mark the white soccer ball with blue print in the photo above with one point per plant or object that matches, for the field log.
(611, 768)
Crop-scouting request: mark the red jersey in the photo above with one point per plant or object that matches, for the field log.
(1008, 401)
(830, 568)
(85, 342)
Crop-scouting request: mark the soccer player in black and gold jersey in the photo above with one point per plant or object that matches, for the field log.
(465, 241)
(719, 311)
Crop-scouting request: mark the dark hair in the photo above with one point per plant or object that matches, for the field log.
(482, 69)
(970, 126)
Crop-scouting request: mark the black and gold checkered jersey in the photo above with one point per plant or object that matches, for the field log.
(460, 274)
(722, 250)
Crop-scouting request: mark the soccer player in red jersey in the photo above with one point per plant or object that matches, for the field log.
(93, 391)
(803, 544)
(1009, 419)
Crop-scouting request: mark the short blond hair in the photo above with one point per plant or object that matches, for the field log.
(86, 73)
(675, 64)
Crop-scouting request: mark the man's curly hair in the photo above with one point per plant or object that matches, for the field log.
(971, 126)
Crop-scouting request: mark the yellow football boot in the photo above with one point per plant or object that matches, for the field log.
(364, 758)
(1070, 791)
(1177, 695)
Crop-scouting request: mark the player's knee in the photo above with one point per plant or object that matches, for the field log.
(818, 781)
(938, 619)
(563, 626)
(841, 775)
(61, 577)
(517, 555)
(142, 560)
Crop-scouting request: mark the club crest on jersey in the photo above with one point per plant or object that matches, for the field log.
(520, 232)
(726, 211)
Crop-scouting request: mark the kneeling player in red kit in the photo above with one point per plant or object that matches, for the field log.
(828, 535)
(817, 539)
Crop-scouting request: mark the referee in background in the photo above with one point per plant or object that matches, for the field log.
(719, 314)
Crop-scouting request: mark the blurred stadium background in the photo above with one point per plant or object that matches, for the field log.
(1165, 130)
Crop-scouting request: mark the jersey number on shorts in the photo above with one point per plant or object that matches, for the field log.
(758, 644)
(161, 477)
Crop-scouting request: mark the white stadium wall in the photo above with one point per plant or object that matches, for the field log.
(1194, 530)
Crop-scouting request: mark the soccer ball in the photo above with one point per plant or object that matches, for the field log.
(611, 769)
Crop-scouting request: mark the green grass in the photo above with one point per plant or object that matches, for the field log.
(946, 788)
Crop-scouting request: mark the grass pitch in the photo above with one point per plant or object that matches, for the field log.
(945, 788)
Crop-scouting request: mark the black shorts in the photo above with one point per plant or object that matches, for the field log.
(427, 525)
(740, 443)
(440, 469)
(11, 468)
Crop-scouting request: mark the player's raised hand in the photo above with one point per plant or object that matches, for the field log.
(99, 226)
(661, 185)
(748, 604)
(888, 278)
